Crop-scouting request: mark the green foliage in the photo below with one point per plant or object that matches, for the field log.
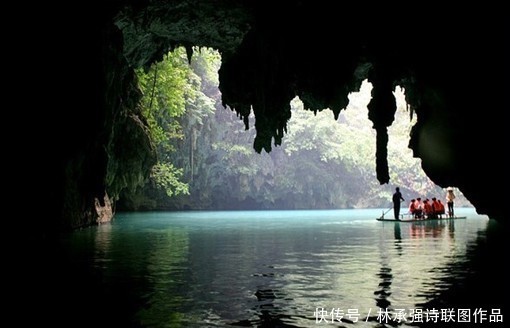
(166, 177)
(166, 87)
(164, 97)
(207, 160)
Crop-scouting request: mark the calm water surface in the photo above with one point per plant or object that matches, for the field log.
(285, 268)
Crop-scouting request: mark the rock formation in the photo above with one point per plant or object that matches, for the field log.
(450, 62)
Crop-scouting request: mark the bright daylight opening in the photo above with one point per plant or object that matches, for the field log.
(206, 158)
(348, 146)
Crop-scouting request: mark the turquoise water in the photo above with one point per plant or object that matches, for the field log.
(283, 268)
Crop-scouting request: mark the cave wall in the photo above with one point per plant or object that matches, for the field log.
(88, 136)
(451, 63)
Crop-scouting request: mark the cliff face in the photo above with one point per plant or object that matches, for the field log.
(447, 62)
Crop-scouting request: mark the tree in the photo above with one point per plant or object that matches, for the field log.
(207, 161)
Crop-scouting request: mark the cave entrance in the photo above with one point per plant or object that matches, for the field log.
(206, 159)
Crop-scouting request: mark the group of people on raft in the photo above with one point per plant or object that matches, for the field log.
(428, 209)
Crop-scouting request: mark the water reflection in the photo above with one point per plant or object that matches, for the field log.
(398, 237)
(266, 313)
(385, 288)
(166, 296)
(102, 241)
(472, 281)
(428, 241)
(385, 275)
(451, 229)
(276, 272)
(432, 228)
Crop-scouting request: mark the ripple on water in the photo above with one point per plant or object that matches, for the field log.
(276, 269)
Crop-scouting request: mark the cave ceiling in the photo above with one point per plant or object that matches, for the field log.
(452, 63)
(447, 61)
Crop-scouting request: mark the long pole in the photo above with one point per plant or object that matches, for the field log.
(389, 209)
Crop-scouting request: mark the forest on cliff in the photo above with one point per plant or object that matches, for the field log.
(206, 158)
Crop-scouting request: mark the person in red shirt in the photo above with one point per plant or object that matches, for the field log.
(435, 207)
(418, 208)
(441, 207)
(412, 208)
(427, 208)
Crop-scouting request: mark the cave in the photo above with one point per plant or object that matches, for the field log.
(77, 100)
(451, 62)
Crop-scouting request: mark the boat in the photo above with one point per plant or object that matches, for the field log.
(421, 219)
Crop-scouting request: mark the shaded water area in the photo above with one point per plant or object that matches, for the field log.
(278, 269)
